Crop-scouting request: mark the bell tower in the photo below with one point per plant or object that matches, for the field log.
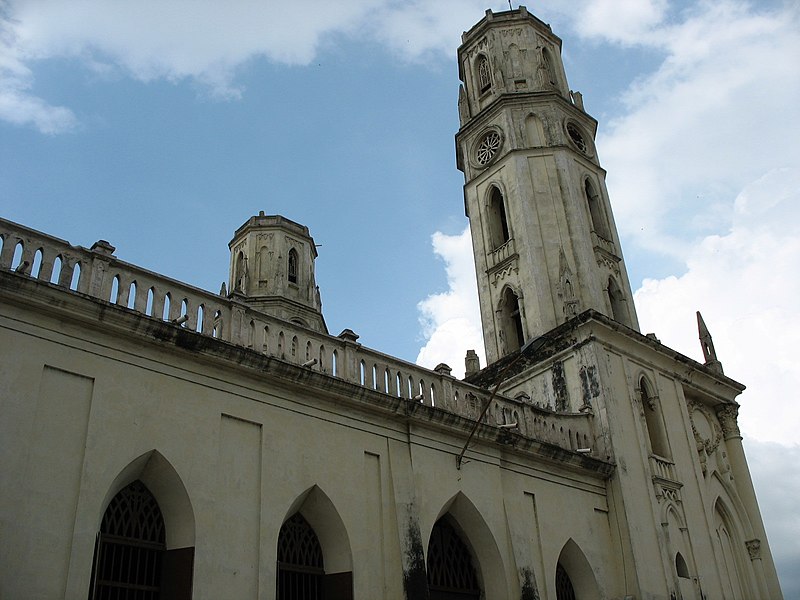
(272, 269)
(543, 234)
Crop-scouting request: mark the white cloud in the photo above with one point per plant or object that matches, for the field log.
(451, 319)
(719, 112)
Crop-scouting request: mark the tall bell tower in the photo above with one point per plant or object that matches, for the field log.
(543, 234)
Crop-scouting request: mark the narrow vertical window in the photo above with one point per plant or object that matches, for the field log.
(484, 74)
(292, 265)
(564, 589)
(654, 422)
(596, 212)
(618, 309)
(511, 322)
(498, 222)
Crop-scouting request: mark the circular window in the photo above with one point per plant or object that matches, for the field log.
(487, 148)
(577, 138)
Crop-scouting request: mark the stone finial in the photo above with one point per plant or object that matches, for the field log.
(443, 369)
(348, 335)
(223, 291)
(577, 99)
(103, 247)
(472, 363)
(728, 415)
(709, 354)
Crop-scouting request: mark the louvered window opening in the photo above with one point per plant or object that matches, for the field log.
(300, 564)
(564, 589)
(130, 547)
(451, 575)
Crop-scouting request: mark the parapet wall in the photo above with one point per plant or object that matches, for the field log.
(97, 274)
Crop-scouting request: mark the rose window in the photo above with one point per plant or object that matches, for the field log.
(488, 147)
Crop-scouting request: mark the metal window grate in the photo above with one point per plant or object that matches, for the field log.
(450, 570)
(300, 562)
(130, 547)
(564, 589)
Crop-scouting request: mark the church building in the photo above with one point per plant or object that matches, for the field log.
(161, 441)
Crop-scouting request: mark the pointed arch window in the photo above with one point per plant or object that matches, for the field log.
(300, 562)
(654, 422)
(511, 321)
(451, 574)
(619, 311)
(484, 73)
(596, 212)
(130, 547)
(292, 270)
(549, 71)
(498, 221)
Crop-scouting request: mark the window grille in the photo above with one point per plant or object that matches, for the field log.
(130, 547)
(484, 75)
(300, 564)
(293, 265)
(564, 589)
(451, 575)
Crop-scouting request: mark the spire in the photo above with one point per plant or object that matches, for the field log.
(709, 354)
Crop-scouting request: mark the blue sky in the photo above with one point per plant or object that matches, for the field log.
(162, 127)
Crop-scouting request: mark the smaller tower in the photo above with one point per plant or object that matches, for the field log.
(272, 269)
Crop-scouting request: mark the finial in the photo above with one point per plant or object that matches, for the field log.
(707, 344)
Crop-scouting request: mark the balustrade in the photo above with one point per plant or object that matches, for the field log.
(97, 273)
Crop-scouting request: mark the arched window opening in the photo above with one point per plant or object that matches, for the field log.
(334, 367)
(732, 562)
(511, 322)
(374, 377)
(16, 261)
(292, 271)
(76, 277)
(132, 295)
(654, 422)
(184, 308)
(362, 368)
(564, 589)
(36, 268)
(386, 377)
(680, 566)
(498, 223)
(322, 359)
(55, 275)
(451, 573)
(618, 310)
(308, 350)
(114, 290)
(596, 211)
(294, 346)
(251, 334)
(201, 313)
(240, 272)
(300, 563)
(130, 547)
(547, 65)
(433, 395)
(219, 325)
(167, 306)
(281, 344)
(399, 383)
(148, 309)
(265, 344)
(484, 74)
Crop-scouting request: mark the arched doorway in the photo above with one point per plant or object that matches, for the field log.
(451, 574)
(130, 547)
(300, 563)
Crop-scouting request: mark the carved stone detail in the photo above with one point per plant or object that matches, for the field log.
(753, 548)
(727, 415)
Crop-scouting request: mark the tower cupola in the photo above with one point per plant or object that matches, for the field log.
(272, 269)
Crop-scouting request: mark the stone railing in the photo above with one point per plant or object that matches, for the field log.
(662, 468)
(97, 273)
(498, 255)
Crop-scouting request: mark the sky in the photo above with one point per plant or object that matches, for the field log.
(163, 126)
